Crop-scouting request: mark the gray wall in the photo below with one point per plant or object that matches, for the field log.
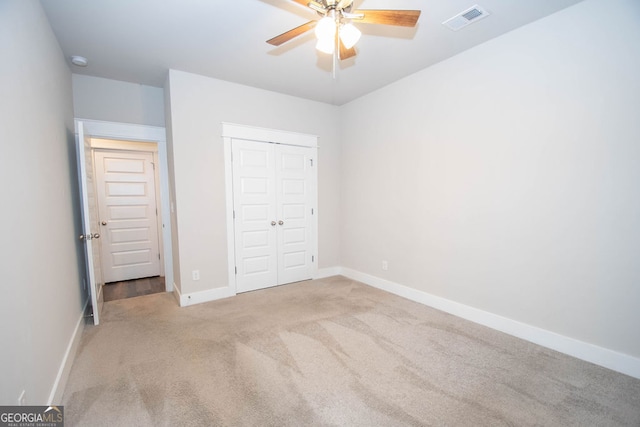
(42, 298)
(115, 101)
(198, 106)
(506, 178)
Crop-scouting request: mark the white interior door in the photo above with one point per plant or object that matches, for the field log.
(294, 191)
(125, 183)
(273, 197)
(255, 215)
(90, 228)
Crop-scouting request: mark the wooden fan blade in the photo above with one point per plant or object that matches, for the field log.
(302, 2)
(346, 53)
(285, 37)
(403, 18)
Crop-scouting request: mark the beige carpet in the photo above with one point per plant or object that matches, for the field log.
(327, 352)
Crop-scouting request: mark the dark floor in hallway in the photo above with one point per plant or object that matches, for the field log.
(133, 288)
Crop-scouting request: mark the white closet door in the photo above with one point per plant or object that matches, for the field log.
(294, 196)
(255, 215)
(273, 198)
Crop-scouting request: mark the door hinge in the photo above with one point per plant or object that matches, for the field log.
(156, 211)
(311, 211)
(311, 160)
(313, 258)
(234, 214)
(154, 165)
(236, 270)
(158, 256)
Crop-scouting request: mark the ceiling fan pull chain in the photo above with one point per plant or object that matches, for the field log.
(335, 56)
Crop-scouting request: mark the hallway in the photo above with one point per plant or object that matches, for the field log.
(133, 288)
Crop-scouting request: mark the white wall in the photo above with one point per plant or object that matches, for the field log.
(41, 286)
(175, 249)
(198, 107)
(115, 101)
(506, 178)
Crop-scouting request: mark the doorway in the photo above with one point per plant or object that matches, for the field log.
(133, 288)
(126, 183)
(120, 138)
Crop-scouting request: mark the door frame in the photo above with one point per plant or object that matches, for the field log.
(232, 131)
(143, 134)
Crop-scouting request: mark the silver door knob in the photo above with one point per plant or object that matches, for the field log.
(281, 222)
(81, 237)
(273, 223)
(104, 222)
(96, 235)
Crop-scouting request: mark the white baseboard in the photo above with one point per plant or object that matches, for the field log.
(610, 359)
(228, 291)
(55, 397)
(203, 296)
(322, 273)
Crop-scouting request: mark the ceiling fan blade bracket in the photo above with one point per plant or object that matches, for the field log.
(348, 15)
(318, 7)
(344, 4)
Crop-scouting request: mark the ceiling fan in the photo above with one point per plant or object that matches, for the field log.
(335, 30)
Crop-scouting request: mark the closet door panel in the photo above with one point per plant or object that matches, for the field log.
(255, 209)
(295, 198)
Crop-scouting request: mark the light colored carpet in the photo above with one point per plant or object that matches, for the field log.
(327, 352)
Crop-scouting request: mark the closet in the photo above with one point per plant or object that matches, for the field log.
(274, 211)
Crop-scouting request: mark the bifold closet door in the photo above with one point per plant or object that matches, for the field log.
(294, 204)
(273, 202)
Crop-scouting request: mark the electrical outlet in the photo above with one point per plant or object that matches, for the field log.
(22, 399)
(195, 274)
(385, 265)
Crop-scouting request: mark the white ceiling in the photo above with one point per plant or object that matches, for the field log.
(138, 41)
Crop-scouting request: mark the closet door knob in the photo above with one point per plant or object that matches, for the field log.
(273, 223)
(281, 222)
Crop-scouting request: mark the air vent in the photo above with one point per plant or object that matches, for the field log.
(465, 18)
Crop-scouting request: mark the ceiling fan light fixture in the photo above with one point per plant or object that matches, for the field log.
(326, 29)
(349, 35)
(326, 45)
